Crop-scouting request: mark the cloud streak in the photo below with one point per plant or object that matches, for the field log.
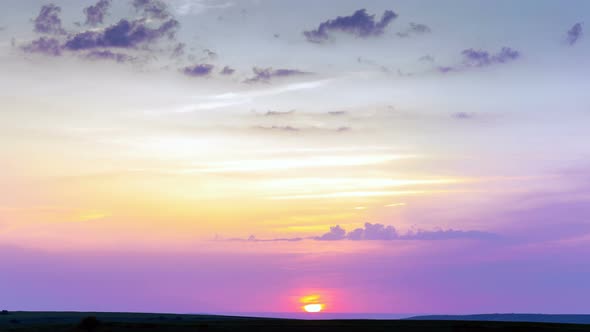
(266, 74)
(381, 232)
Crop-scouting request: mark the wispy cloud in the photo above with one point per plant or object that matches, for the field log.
(193, 7)
(415, 29)
(240, 98)
(266, 74)
(254, 165)
(152, 8)
(574, 34)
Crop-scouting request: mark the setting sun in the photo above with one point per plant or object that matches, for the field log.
(312, 303)
(315, 307)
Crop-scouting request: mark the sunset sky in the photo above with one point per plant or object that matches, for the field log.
(258, 156)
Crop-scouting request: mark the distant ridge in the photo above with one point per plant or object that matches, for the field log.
(534, 318)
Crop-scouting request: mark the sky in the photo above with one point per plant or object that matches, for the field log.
(258, 156)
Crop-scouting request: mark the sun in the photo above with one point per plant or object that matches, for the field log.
(313, 307)
(312, 303)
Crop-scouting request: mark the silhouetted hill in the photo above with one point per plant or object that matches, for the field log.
(538, 318)
(123, 322)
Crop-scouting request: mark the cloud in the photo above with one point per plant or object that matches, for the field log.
(336, 233)
(473, 58)
(463, 115)
(198, 70)
(446, 69)
(48, 20)
(337, 113)
(480, 58)
(288, 128)
(574, 33)
(211, 55)
(179, 50)
(381, 232)
(373, 232)
(124, 34)
(279, 128)
(426, 58)
(448, 235)
(186, 7)
(108, 55)
(360, 24)
(276, 113)
(152, 8)
(227, 70)
(415, 29)
(240, 98)
(44, 45)
(266, 74)
(95, 14)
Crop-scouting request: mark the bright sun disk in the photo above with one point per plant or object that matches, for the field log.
(314, 307)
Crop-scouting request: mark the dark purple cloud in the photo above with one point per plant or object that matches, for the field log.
(198, 70)
(48, 20)
(44, 45)
(95, 14)
(359, 24)
(480, 58)
(574, 33)
(124, 34)
(227, 70)
(266, 74)
(108, 55)
(415, 29)
(152, 8)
